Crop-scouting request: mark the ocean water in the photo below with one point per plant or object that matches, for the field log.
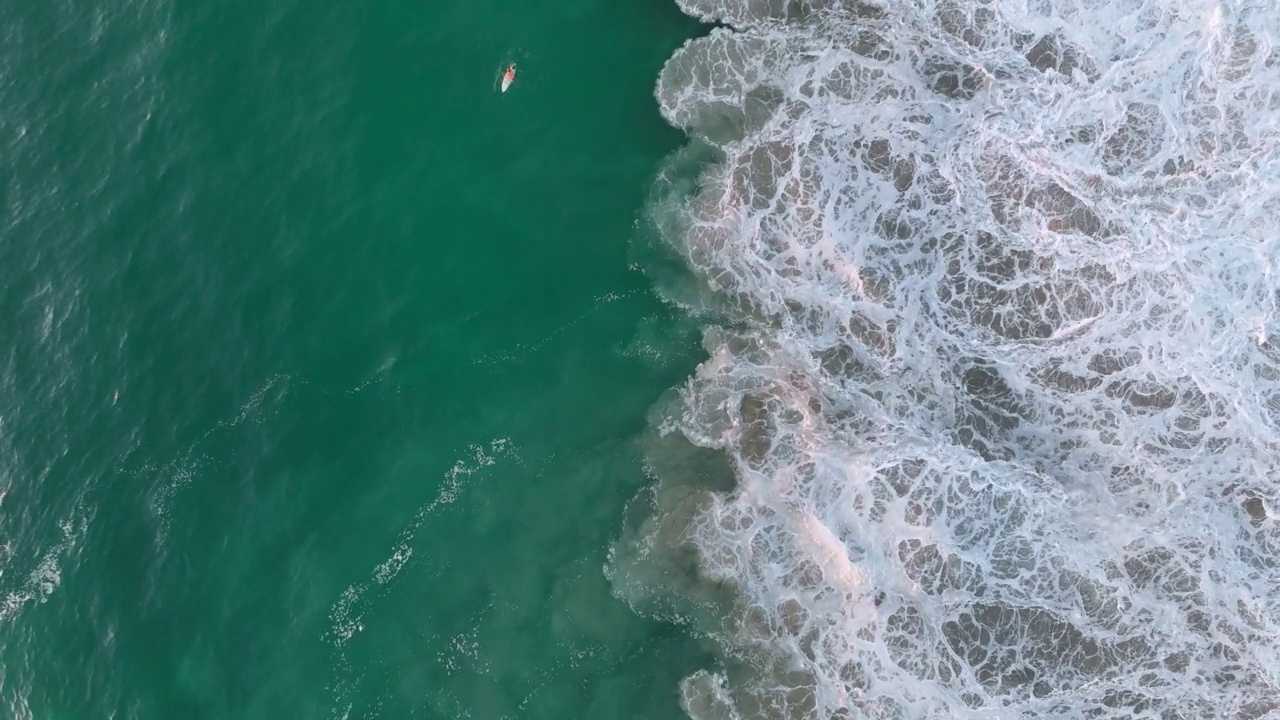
(990, 420)
(325, 367)
(931, 373)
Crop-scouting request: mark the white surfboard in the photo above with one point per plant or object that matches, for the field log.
(508, 77)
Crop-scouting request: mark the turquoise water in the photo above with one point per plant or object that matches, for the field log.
(325, 363)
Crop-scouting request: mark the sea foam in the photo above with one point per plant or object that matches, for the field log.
(998, 371)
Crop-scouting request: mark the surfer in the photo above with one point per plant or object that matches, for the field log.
(508, 77)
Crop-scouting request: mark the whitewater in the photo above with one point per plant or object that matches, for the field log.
(990, 423)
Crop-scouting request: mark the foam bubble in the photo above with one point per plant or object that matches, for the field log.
(44, 579)
(348, 613)
(1002, 387)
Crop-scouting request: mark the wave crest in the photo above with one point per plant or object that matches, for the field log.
(1001, 386)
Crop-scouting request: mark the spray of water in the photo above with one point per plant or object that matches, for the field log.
(1000, 385)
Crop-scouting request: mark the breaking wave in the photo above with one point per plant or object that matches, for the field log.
(997, 375)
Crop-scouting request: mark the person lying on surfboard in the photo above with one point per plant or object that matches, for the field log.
(508, 77)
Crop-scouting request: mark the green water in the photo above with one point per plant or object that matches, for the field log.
(324, 362)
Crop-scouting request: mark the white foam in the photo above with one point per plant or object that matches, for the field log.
(191, 465)
(348, 614)
(1003, 392)
(44, 579)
